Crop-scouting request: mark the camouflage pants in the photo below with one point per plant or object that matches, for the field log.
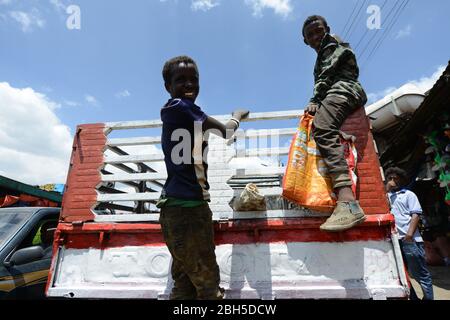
(189, 235)
(333, 111)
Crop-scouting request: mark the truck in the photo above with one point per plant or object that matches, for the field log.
(109, 245)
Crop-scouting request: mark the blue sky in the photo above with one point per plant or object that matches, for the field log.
(249, 52)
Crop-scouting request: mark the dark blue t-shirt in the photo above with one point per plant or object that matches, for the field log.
(184, 148)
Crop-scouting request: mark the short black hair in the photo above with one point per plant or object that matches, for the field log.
(403, 175)
(168, 66)
(311, 19)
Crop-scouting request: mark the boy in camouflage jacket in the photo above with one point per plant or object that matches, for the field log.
(337, 93)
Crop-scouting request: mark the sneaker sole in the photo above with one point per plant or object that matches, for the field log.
(344, 227)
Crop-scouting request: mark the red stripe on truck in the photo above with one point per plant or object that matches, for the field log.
(113, 235)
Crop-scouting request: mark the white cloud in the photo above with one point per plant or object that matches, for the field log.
(372, 97)
(175, 1)
(404, 32)
(426, 83)
(204, 5)
(58, 5)
(123, 94)
(281, 7)
(34, 144)
(421, 86)
(28, 20)
(71, 103)
(91, 100)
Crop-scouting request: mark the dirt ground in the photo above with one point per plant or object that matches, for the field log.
(441, 283)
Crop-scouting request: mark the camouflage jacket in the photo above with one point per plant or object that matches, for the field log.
(336, 71)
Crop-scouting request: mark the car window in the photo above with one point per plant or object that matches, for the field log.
(36, 236)
(10, 222)
(37, 239)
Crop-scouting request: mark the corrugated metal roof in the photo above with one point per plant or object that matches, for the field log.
(407, 140)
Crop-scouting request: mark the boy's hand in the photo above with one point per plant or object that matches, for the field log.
(408, 238)
(391, 186)
(240, 114)
(312, 108)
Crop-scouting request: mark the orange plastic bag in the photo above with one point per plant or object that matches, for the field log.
(306, 181)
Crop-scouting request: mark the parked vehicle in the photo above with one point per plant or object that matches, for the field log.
(26, 238)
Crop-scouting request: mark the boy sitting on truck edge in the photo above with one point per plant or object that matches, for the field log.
(337, 93)
(186, 220)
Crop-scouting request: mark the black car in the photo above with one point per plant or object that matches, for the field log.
(26, 236)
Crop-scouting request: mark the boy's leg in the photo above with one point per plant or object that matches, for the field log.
(191, 243)
(183, 289)
(172, 224)
(414, 254)
(412, 291)
(328, 120)
(205, 274)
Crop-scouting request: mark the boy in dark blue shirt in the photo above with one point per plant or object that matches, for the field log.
(186, 220)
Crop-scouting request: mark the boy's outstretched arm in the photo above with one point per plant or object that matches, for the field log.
(225, 131)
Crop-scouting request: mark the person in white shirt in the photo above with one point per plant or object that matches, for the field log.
(407, 210)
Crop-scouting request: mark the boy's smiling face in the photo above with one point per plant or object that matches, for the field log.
(184, 83)
(314, 33)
